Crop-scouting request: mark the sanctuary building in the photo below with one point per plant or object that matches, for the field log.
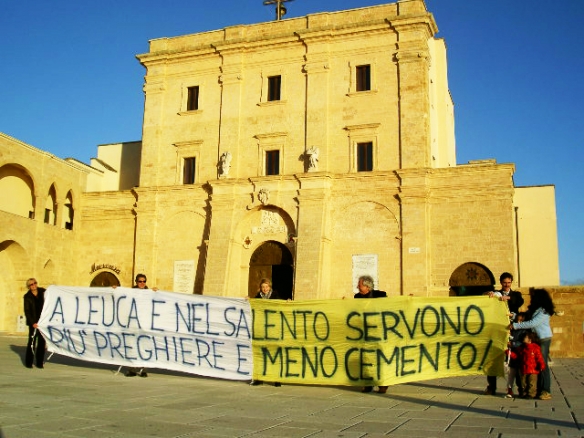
(308, 150)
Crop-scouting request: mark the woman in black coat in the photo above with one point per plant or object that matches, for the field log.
(34, 300)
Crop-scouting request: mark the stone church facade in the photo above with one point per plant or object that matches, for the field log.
(309, 150)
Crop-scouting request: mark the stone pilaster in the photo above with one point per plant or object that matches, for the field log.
(413, 60)
(146, 235)
(217, 265)
(154, 94)
(313, 250)
(317, 70)
(415, 217)
(232, 82)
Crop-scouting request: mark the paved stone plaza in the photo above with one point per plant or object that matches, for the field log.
(71, 399)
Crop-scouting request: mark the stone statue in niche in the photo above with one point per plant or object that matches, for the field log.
(311, 155)
(224, 164)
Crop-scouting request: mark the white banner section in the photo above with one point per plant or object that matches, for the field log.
(208, 336)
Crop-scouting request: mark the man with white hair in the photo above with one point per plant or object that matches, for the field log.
(366, 288)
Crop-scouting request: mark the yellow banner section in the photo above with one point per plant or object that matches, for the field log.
(382, 341)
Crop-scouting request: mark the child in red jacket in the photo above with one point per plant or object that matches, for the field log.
(530, 364)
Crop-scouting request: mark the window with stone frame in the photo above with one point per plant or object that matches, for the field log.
(365, 156)
(273, 162)
(363, 78)
(274, 88)
(192, 98)
(189, 166)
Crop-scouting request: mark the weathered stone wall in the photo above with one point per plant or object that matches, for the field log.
(30, 247)
(172, 226)
(106, 237)
(470, 220)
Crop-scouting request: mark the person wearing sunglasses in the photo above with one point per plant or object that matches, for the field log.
(34, 299)
(140, 281)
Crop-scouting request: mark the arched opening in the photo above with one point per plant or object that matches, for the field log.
(105, 279)
(68, 212)
(51, 207)
(272, 260)
(15, 268)
(471, 279)
(16, 191)
(49, 273)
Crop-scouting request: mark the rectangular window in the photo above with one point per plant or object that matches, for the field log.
(273, 162)
(363, 78)
(365, 157)
(189, 170)
(193, 98)
(274, 87)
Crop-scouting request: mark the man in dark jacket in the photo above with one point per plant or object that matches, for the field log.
(366, 290)
(34, 300)
(514, 300)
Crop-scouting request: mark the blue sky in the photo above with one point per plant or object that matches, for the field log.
(69, 80)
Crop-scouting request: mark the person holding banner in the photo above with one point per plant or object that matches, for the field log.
(514, 300)
(367, 290)
(140, 281)
(266, 293)
(34, 300)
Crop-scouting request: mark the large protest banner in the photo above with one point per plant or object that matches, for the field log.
(208, 336)
(382, 341)
(336, 342)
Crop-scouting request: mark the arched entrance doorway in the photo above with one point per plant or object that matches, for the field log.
(15, 268)
(105, 279)
(471, 279)
(272, 260)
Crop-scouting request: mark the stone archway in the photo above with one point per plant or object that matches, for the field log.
(16, 180)
(105, 279)
(15, 268)
(272, 260)
(471, 279)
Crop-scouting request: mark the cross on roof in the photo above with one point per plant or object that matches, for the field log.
(280, 8)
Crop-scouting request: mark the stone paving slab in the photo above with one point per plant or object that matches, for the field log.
(74, 399)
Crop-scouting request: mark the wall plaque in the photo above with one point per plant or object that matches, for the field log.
(184, 276)
(365, 264)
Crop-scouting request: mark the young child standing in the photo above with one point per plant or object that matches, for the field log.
(530, 364)
(515, 341)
